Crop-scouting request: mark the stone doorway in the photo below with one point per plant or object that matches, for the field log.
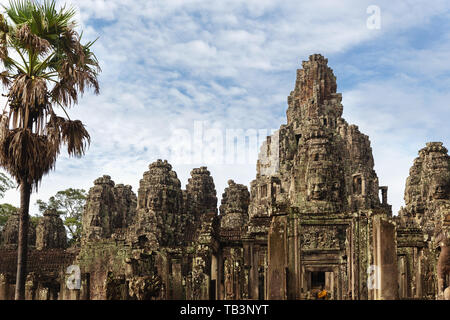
(317, 280)
(261, 284)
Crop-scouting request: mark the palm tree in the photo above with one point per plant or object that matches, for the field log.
(46, 67)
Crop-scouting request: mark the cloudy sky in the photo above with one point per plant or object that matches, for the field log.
(172, 68)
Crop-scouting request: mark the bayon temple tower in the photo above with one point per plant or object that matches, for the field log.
(315, 220)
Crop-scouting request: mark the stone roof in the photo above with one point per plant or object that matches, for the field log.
(39, 261)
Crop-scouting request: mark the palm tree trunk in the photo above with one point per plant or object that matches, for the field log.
(22, 250)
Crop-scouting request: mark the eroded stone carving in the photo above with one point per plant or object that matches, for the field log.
(108, 207)
(125, 206)
(160, 205)
(234, 207)
(99, 209)
(426, 193)
(50, 231)
(201, 193)
(427, 204)
(144, 288)
(10, 233)
(320, 237)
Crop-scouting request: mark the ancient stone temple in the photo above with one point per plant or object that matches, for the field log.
(50, 231)
(233, 219)
(10, 233)
(314, 224)
(424, 226)
(48, 259)
(316, 202)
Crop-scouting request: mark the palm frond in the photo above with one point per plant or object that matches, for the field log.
(56, 68)
(20, 11)
(78, 69)
(26, 154)
(75, 136)
(4, 126)
(5, 78)
(31, 41)
(4, 29)
(28, 100)
(64, 92)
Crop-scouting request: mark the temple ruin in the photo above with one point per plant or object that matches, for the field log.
(315, 219)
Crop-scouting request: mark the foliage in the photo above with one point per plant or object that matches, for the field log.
(45, 65)
(69, 204)
(6, 210)
(5, 184)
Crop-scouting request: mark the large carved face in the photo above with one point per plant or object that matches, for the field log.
(155, 200)
(439, 189)
(317, 153)
(440, 192)
(317, 188)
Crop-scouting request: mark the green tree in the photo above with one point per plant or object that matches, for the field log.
(46, 68)
(6, 209)
(69, 204)
(5, 184)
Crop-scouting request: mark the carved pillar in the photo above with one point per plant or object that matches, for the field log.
(294, 264)
(200, 280)
(385, 258)
(443, 269)
(403, 277)
(249, 269)
(177, 287)
(228, 279)
(3, 287)
(419, 275)
(30, 287)
(277, 262)
(214, 294)
(220, 278)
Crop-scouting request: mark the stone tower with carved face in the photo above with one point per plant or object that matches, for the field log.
(316, 196)
(424, 225)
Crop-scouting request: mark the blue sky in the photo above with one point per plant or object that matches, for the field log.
(169, 64)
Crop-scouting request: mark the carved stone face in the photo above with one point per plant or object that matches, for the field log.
(439, 189)
(155, 201)
(336, 191)
(317, 153)
(317, 188)
(439, 192)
